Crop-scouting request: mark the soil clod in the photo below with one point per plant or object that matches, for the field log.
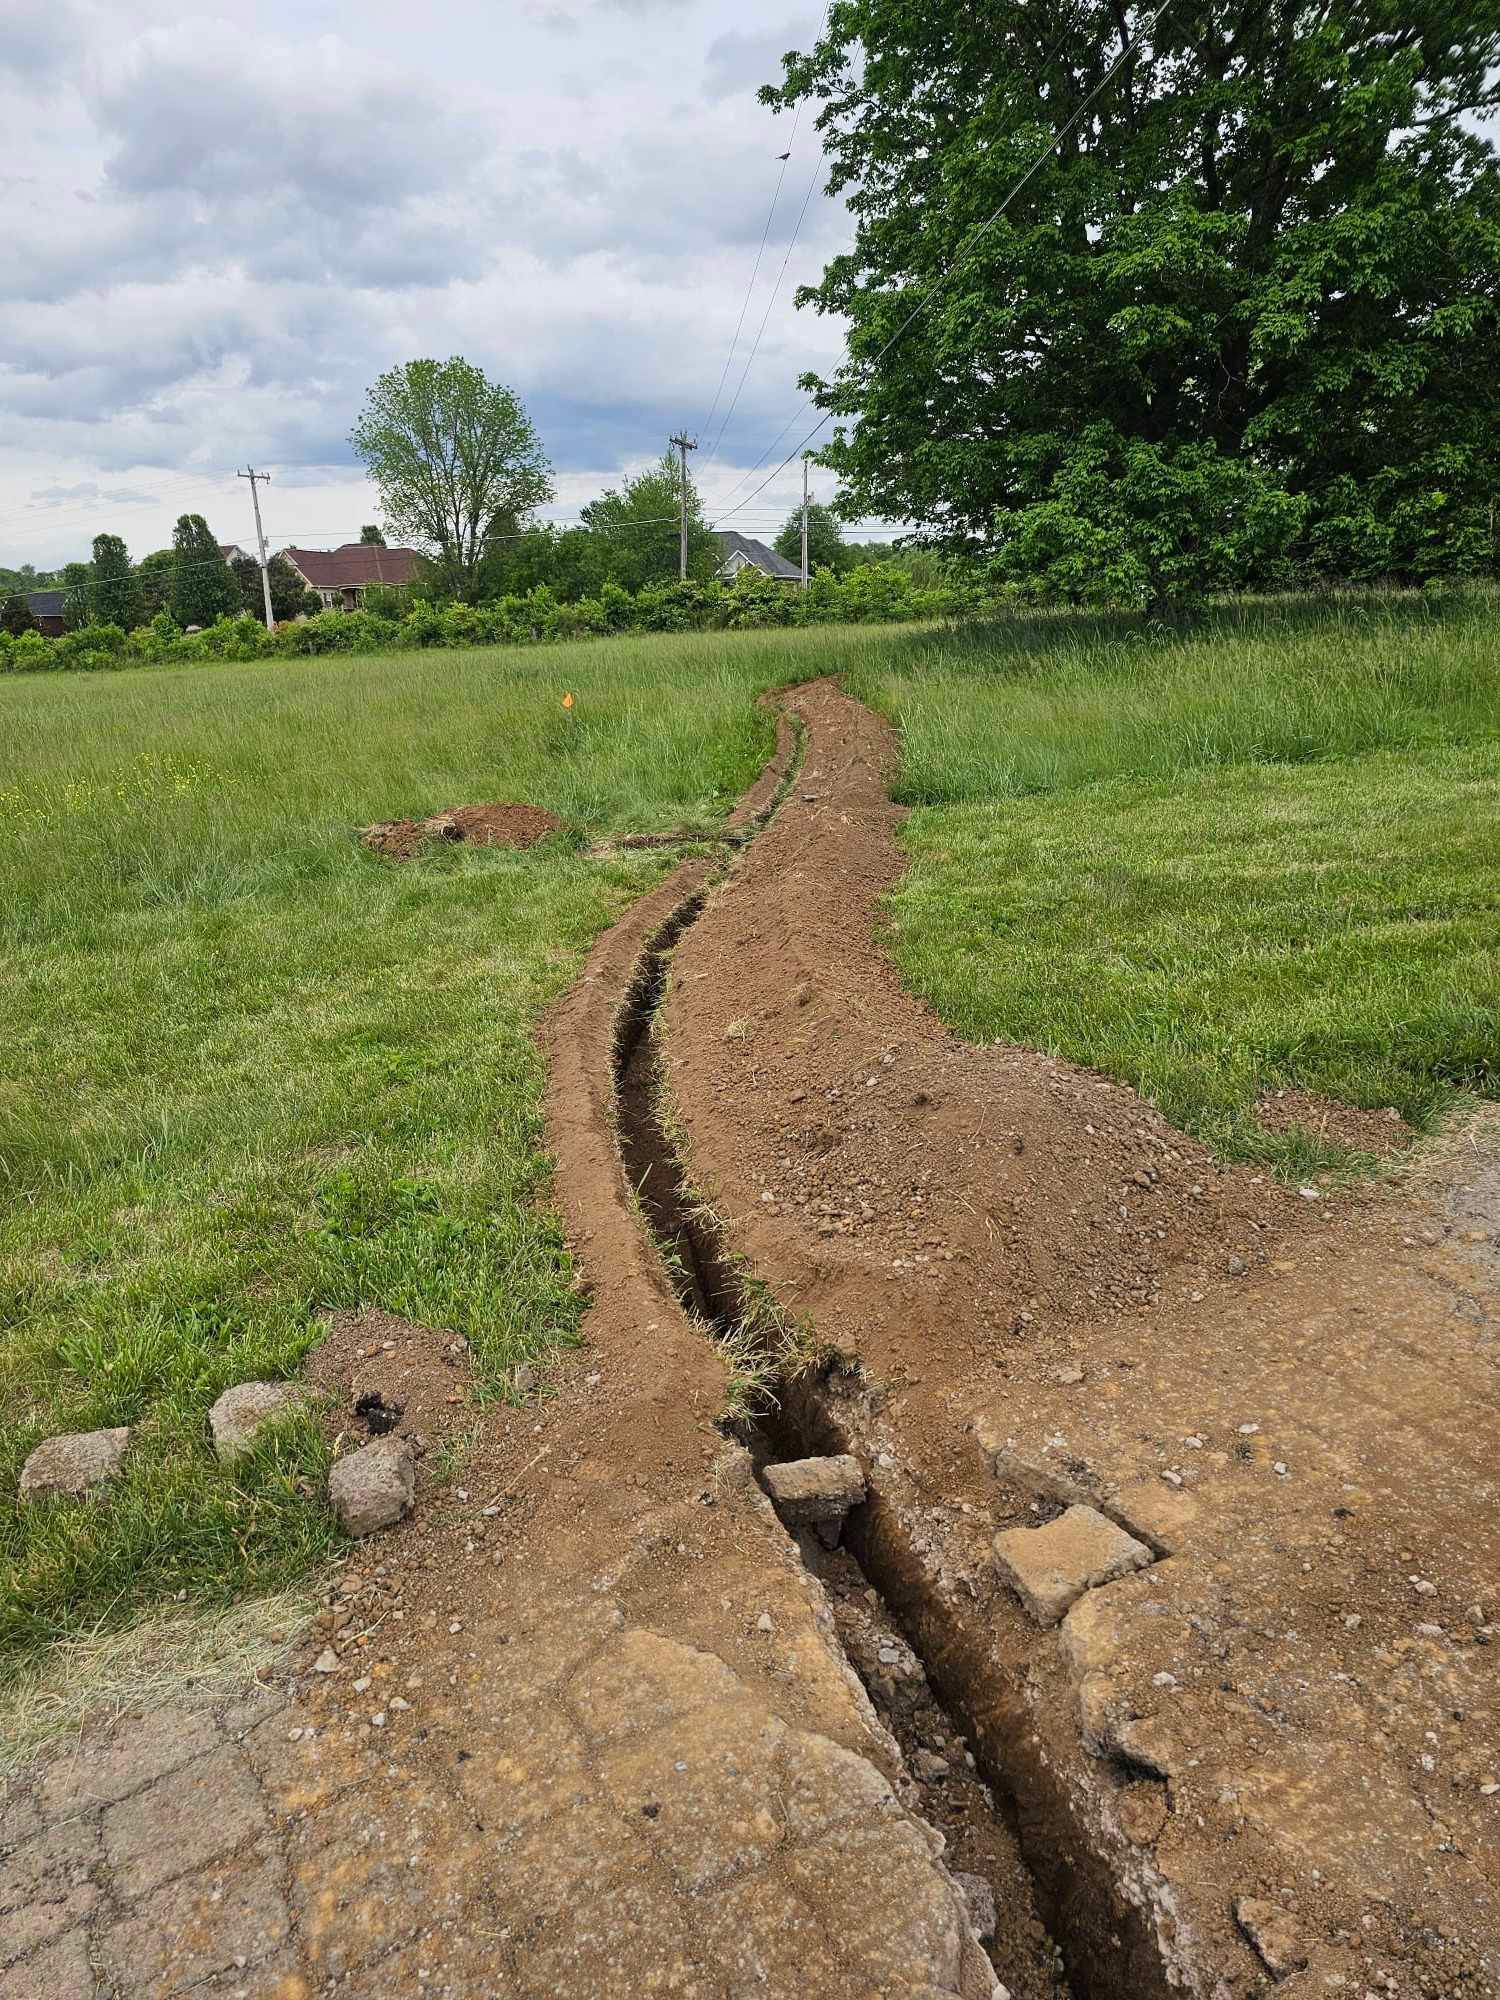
(499, 824)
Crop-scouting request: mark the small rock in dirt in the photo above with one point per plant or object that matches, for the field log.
(980, 1899)
(765, 1623)
(373, 1487)
(1274, 1934)
(1068, 1376)
(1142, 1811)
(74, 1462)
(236, 1418)
(816, 1493)
(327, 1662)
(1051, 1567)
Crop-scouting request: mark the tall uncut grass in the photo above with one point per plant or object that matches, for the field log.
(1262, 854)
(1047, 703)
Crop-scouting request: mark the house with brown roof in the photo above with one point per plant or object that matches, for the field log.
(342, 576)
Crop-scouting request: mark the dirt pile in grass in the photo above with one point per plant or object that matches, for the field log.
(929, 1192)
(498, 824)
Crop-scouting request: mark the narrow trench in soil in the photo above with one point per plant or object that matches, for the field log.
(944, 1782)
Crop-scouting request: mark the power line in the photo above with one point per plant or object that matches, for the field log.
(749, 289)
(1126, 53)
(770, 302)
(796, 122)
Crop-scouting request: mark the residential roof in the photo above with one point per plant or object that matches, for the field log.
(232, 552)
(354, 565)
(732, 543)
(45, 603)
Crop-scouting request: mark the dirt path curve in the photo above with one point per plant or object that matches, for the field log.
(580, 1729)
(1273, 1754)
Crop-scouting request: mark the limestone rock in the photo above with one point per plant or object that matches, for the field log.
(237, 1416)
(816, 1493)
(372, 1488)
(980, 1899)
(1274, 1934)
(1051, 1567)
(74, 1462)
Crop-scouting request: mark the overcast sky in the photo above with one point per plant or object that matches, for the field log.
(219, 232)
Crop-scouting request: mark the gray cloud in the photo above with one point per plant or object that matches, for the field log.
(38, 38)
(740, 62)
(223, 238)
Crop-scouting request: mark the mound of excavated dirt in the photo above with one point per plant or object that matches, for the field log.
(1339, 1124)
(499, 824)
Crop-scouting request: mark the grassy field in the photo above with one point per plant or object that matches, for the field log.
(1262, 855)
(250, 1074)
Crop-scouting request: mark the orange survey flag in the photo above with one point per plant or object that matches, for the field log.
(567, 701)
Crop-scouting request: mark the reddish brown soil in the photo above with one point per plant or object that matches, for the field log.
(948, 1197)
(383, 1376)
(495, 825)
(1295, 1398)
(1377, 1132)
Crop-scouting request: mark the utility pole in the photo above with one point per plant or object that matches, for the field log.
(804, 520)
(260, 536)
(684, 445)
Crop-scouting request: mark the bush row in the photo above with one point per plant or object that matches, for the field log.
(873, 593)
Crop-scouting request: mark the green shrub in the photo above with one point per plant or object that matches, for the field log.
(930, 589)
(90, 646)
(28, 654)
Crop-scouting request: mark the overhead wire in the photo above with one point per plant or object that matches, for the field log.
(713, 451)
(1127, 52)
(765, 236)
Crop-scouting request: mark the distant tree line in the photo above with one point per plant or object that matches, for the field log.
(189, 584)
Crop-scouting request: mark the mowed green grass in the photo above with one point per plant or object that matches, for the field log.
(249, 1073)
(1266, 854)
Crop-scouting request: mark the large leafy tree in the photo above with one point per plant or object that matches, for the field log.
(457, 462)
(287, 588)
(202, 587)
(1246, 313)
(825, 538)
(371, 535)
(15, 614)
(117, 591)
(78, 595)
(635, 529)
(154, 577)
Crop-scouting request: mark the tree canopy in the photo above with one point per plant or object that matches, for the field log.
(825, 538)
(456, 460)
(372, 536)
(117, 596)
(288, 591)
(15, 614)
(202, 587)
(636, 528)
(1246, 316)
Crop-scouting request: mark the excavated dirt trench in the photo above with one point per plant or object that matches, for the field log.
(1266, 1758)
(1061, 1928)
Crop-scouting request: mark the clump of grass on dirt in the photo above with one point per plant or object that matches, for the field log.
(1256, 855)
(250, 1073)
